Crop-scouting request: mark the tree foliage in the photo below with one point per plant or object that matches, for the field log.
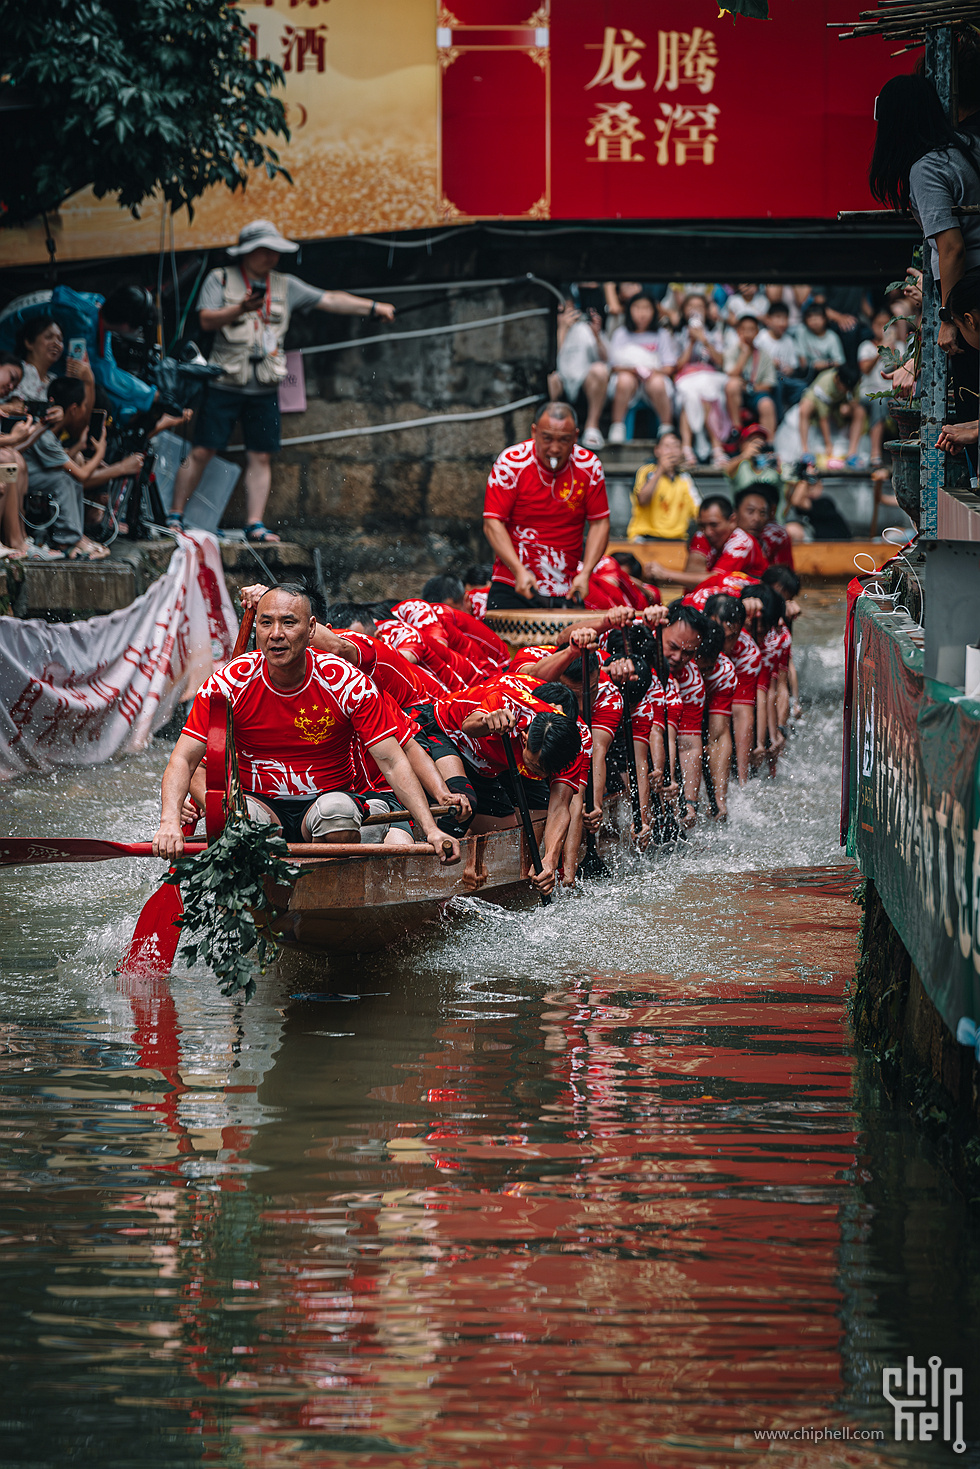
(133, 98)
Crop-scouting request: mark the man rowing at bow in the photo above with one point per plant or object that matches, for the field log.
(297, 713)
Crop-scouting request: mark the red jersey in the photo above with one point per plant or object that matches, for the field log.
(435, 620)
(433, 654)
(368, 772)
(720, 683)
(407, 683)
(493, 650)
(777, 645)
(607, 706)
(545, 514)
(533, 653)
(611, 586)
(486, 753)
(690, 686)
(747, 660)
(649, 712)
(296, 742)
(741, 552)
(728, 583)
(477, 598)
(777, 544)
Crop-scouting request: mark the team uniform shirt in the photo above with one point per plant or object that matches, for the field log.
(297, 742)
(545, 514)
(650, 712)
(741, 553)
(720, 683)
(487, 753)
(748, 661)
(607, 705)
(368, 773)
(456, 669)
(477, 598)
(406, 683)
(533, 653)
(728, 583)
(431, 620)
(430, 654)
(690, 686)
(777, 645)
(485, 644)
(612, 586)
(777, 544)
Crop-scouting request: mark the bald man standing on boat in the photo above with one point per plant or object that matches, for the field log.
(540, 496)
(296, 713)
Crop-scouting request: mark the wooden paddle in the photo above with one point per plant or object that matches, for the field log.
(524, 811)
(669, 829)
(157, 932)
(634, 779)
(592, 866)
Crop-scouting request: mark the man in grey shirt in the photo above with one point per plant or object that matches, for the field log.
(248, 305)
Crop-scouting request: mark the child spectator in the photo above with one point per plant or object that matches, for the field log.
(818, 346)
(776, 339)
(643, 355)
(699, 382)
(664, 499)
(751, 378)
(746, 301)
(831, 398)
(581, 367)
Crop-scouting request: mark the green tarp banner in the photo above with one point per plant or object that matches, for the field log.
(914, 807)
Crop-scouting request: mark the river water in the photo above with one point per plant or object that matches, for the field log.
(605, 1184)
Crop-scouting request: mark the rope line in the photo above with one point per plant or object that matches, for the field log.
(385, 428)
(426, 331)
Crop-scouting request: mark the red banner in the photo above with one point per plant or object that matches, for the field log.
(618, 109)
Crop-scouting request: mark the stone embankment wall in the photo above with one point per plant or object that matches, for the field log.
(387, 509)
(921, 1061)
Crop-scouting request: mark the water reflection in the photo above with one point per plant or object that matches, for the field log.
(598, 1185)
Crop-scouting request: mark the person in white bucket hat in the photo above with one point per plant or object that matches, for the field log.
(248, 305)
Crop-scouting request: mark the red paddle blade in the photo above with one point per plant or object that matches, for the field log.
(156, 936)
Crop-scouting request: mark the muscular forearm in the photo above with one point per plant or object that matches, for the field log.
(342, 303)
(501, 544)
(175, 786)
(595, 545)
(554, 833)
(405, 784)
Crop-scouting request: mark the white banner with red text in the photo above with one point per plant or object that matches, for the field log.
(80, 693)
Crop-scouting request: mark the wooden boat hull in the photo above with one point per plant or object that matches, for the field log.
(368, 898)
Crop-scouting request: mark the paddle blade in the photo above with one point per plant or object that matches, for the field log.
(156, 936)
(593, 869)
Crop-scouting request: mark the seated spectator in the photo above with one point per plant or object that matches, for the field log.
(776, 339)
(125, 312)
(664, 499)
(52, 472)
(818, 347)
(831, 399)
(618, 296)
(14, 545)
(848, 314)
(700, 382)
(746, 301)
(810, 514)
(39, 346)
(581, 368)
(642, 355)
(751, 378)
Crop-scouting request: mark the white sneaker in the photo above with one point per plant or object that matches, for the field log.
(617, 433)
(592, 439)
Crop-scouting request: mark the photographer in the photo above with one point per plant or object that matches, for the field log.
(248, 306)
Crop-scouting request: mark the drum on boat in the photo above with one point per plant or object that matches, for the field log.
(537, 625)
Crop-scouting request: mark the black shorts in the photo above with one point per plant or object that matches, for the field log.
(431, 736)
(494, 795)
(502, 598)
(290, 810)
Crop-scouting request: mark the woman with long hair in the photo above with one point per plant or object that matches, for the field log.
(922, 164)
(642, 355)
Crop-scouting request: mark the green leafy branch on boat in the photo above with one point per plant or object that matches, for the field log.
(223, 890)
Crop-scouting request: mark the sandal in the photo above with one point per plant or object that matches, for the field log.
(258, 535)
(690, 458)
(719, 458)
(44, 553)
